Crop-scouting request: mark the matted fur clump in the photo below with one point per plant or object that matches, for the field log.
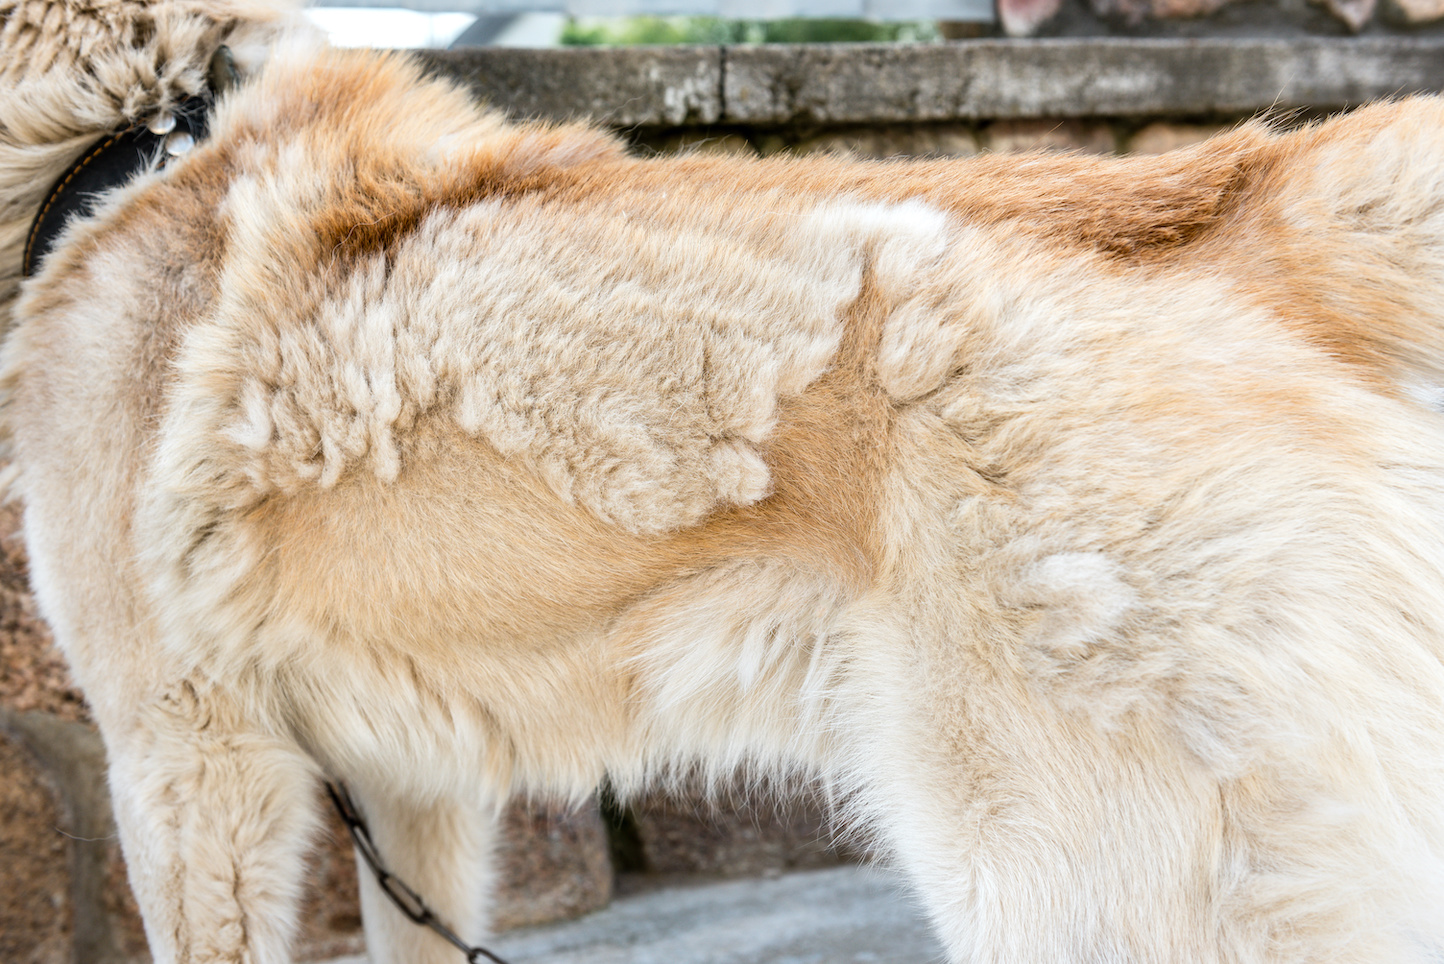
(1078, 523)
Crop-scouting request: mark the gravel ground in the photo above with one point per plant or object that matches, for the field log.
(33, 675)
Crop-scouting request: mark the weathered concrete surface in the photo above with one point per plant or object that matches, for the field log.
(781, 84)
(1068, 78)
(623, 87)
(847, 915)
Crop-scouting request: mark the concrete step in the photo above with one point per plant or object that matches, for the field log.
(844, 915)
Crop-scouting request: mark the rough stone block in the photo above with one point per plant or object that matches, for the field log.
(1420, 11)
(554, 864)
(880, 143)
(832, 85)
(1048, 136)
(842, 83)
(737, 833)
(35, 906)
(1160, 137)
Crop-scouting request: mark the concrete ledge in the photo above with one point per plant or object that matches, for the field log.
(623, 87)
(777, 85)
(1068, 78)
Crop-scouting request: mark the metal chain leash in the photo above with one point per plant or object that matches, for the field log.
(407, 900)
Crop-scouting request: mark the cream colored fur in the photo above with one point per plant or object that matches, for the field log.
(1079, 524)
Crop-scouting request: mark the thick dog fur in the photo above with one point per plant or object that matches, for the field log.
(1079, 522)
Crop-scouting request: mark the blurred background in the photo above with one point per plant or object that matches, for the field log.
(422, 26)
(547, 23)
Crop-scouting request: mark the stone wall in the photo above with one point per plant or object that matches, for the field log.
(950, 99)
(63, 897)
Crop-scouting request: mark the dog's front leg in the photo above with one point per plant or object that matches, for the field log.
(441, 849)
(215, 819)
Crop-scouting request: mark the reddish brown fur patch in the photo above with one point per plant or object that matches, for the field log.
(1331, 285)
(383, 189)
(827, 458)
(1126, 207)
(1123, 206)
(1132, 207)
(545, 570)
(386, 202)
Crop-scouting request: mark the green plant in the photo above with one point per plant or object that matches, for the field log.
(632, 31)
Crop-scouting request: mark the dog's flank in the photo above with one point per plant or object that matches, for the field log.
(1076, 521)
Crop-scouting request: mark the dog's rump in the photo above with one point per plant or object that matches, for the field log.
(1049, 505)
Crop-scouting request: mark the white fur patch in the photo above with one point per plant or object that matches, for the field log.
(1428, 394)
(920, 338)
(1083, 599)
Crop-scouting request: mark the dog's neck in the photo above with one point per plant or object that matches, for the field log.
(116, 158)
(111, 162)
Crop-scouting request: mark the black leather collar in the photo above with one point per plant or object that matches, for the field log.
(110, 162)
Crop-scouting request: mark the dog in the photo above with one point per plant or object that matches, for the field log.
(1078, 523)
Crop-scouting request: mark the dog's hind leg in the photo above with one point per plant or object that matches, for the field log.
(1036, 836)
(215, 820)
(442, 850)
(1080, 855)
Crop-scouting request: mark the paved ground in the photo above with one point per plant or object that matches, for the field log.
(846, 915)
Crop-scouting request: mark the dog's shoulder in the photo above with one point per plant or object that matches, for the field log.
(626, 329)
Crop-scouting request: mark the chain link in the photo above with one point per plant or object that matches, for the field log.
(407, 900)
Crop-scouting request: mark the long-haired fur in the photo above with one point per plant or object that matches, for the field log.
(1077, 523)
